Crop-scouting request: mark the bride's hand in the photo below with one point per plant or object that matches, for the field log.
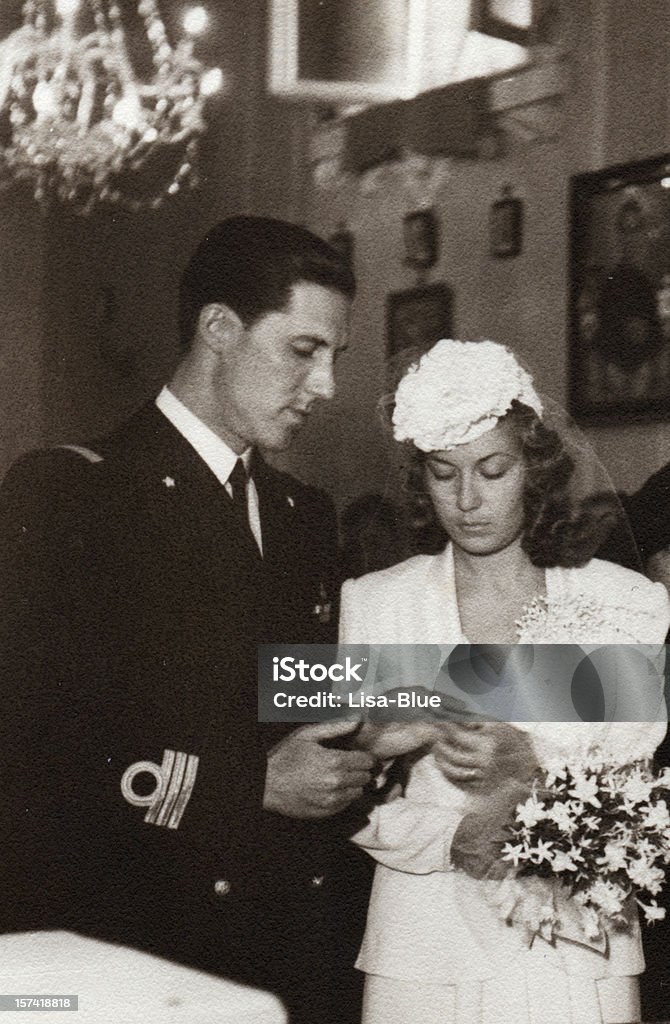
(479, 756)
(393, 739)
(419, 727)
(477, 842)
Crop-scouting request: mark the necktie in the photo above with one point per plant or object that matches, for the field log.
(238, 483)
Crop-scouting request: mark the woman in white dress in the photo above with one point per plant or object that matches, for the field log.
(517, 568)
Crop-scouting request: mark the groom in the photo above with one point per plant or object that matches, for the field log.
(141, 801)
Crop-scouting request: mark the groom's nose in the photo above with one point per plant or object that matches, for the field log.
(321, 380)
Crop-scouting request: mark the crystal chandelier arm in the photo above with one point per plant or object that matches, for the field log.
(13, 51)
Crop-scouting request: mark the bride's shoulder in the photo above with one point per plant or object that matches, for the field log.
(613, 586)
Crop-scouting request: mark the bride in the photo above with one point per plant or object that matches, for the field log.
(518, 567)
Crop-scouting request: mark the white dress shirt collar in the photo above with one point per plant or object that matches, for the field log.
(216, 453)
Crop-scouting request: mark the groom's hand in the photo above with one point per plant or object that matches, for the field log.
(483, 756)
(306, 779)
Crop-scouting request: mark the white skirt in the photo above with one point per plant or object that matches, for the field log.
(539, 997)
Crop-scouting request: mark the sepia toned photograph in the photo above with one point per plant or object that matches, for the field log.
(334, 512)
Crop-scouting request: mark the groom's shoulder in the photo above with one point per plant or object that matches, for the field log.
(50, 479)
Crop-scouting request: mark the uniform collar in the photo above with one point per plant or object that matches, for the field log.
(210, 447)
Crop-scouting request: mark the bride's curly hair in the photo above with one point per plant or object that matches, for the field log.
(554, 532)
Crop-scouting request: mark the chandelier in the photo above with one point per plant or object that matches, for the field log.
(82, 121)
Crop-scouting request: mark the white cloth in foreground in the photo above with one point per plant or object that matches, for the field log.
(432, 934)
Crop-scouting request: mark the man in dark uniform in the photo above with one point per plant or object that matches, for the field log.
(141, 801)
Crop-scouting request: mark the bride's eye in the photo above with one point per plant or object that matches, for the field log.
(494, 470)
(441, 472)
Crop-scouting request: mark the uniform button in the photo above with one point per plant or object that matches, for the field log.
(222, 887)
(317, 881)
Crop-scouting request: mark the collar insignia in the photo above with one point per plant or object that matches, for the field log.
(169, 481)
(322, 610)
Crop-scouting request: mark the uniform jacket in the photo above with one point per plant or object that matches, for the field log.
(132, 604)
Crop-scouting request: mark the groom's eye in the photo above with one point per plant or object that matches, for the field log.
(305, 346)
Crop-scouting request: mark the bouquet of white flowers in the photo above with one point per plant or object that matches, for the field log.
(588, 840)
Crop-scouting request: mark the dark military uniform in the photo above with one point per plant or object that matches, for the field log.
(133, 763)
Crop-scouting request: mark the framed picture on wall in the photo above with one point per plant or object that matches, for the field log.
(421, 239)
(619, 341)
(415, 319)
(506, 225)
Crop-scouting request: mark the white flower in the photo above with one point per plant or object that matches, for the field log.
(590, 922)
(608, 896)
(644, 874)
(614, 856)
(458, 391)
(637, 789)
(530, 812)
(651, 911)
(515, 854)
(656, 815)
(585, 788)
(540, 852)
(563, 816)
(562, 861)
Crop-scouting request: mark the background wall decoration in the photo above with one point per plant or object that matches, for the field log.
(416, 319)
(619, 368)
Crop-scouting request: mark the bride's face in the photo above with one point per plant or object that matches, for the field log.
(477, 490)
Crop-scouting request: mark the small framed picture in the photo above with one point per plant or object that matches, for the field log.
(506, 225)
(421, 235)
(416, 318)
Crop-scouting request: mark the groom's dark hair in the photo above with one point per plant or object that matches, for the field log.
(250, 264)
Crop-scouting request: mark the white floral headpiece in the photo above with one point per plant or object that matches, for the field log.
(458, 391)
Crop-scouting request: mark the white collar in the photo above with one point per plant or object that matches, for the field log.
(216, 453)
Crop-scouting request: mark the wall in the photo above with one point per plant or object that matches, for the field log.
(617, 110)
(21, 258)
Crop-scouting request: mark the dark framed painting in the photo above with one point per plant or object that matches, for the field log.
(619, 342)
(506, 225)
(421, 237)
(415, 319)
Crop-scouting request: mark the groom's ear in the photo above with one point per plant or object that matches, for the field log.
(219, 327)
